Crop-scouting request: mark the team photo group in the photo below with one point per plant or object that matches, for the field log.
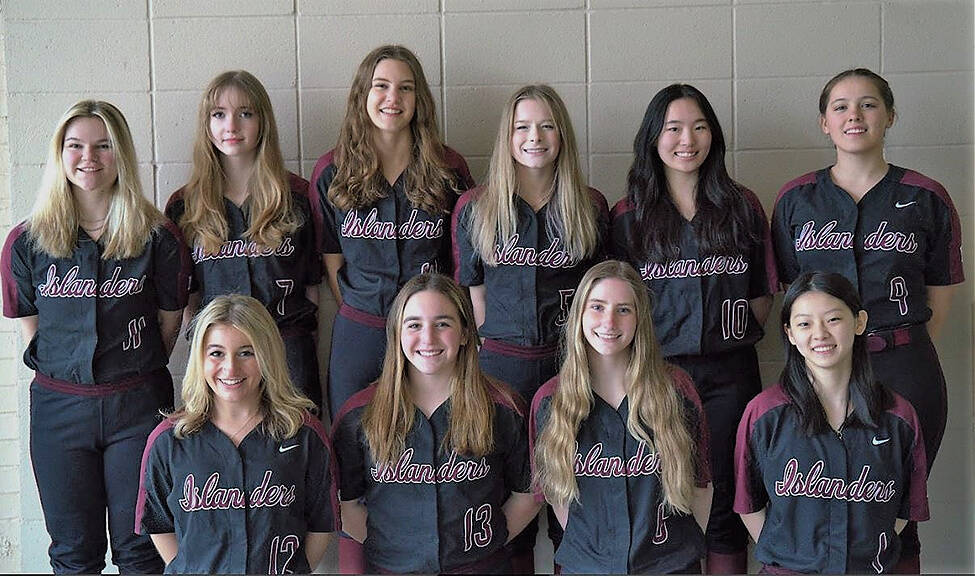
(504, 351)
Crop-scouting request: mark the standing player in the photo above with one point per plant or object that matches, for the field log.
(433, 459)
(98, 278)
(893, 233)
(829, 464)
(701, 243)
(620, 441)
(238, 480)
(252, 225)
(522, 242)
(387, 190)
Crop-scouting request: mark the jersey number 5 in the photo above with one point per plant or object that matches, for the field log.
(482, 536)
(286, 545)
(734, 318)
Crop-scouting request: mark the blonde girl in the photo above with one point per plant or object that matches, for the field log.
(433, 458)
(97, 277)
(238, 480)
(620, 439)
(251, 224)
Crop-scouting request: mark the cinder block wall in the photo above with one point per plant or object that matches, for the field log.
(761, 62)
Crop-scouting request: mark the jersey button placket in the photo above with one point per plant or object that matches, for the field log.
(90, 266)
(837, 465)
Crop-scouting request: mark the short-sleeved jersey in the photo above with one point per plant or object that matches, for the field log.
(97, 319)
(902, 236)
(274, 276)
(237, 509)
(528, 292)
(386, 244)
(620, 524)
(830, 499)
(700, 302)
(432, 510)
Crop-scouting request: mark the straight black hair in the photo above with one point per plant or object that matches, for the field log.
(724, 222)
(868, 398)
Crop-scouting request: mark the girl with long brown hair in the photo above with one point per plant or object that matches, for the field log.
(387, 190)
(620, 440)
(433, 458)
(252, 226)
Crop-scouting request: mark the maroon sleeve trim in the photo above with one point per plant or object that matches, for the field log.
(622, 207)
(702, 437)
(357, 400)
(457, 163)
(11, 307)
(804, 180)
(918, 466)
(333, 491)
(547, 390)
(185, 264)
(140, 503)
(771, 272)
(320, 166)
(956, 273)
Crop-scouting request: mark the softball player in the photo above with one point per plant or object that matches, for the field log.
(701, 243)
(893, 233)
(433, 462)
(98, 278)
(620, 439)
(522, 242)
(238, 480)
(387, 190)
(253, 226)
(830, 465)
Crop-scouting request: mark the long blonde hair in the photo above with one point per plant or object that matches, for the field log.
(656, 414)
(53, 224)
(283, 407)
(573, 214)
(271, 214)
(389, 416)
(359, 179)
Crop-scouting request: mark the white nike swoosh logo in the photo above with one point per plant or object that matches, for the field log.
(879, 441)
(293, 446)
(905, 204)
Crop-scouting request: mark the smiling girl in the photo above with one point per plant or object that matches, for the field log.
(830, 465)
(252, 226)
(620, 439)
(433, 458)
(701, 243)
(238, 480)
(387, 190)
(894, 233)
(97, 277)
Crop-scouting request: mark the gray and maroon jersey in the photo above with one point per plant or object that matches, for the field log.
(529, 291)
(386, 244)
(432, 510)
(620, 524)
(700, 303)
(275, 277)
(237, 509)
(97, 320)
(902, 236)
(830, 499)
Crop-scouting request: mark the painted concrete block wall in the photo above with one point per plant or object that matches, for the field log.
(761, 62)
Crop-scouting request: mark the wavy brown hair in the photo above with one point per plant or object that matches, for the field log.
(271, 214)
(388, 417)
(656, 414)
(359, 179)
(53, 224)
(573, 215)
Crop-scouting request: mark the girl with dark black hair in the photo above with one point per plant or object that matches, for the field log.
(701, 244)
(828, 461)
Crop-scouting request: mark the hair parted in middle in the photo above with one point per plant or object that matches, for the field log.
(656, 412)
(572, 215)
(389, 416)
(724, 222)
(282, 405)
(867, 398)
(359, 179)
(132, 218)
(271, 212)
